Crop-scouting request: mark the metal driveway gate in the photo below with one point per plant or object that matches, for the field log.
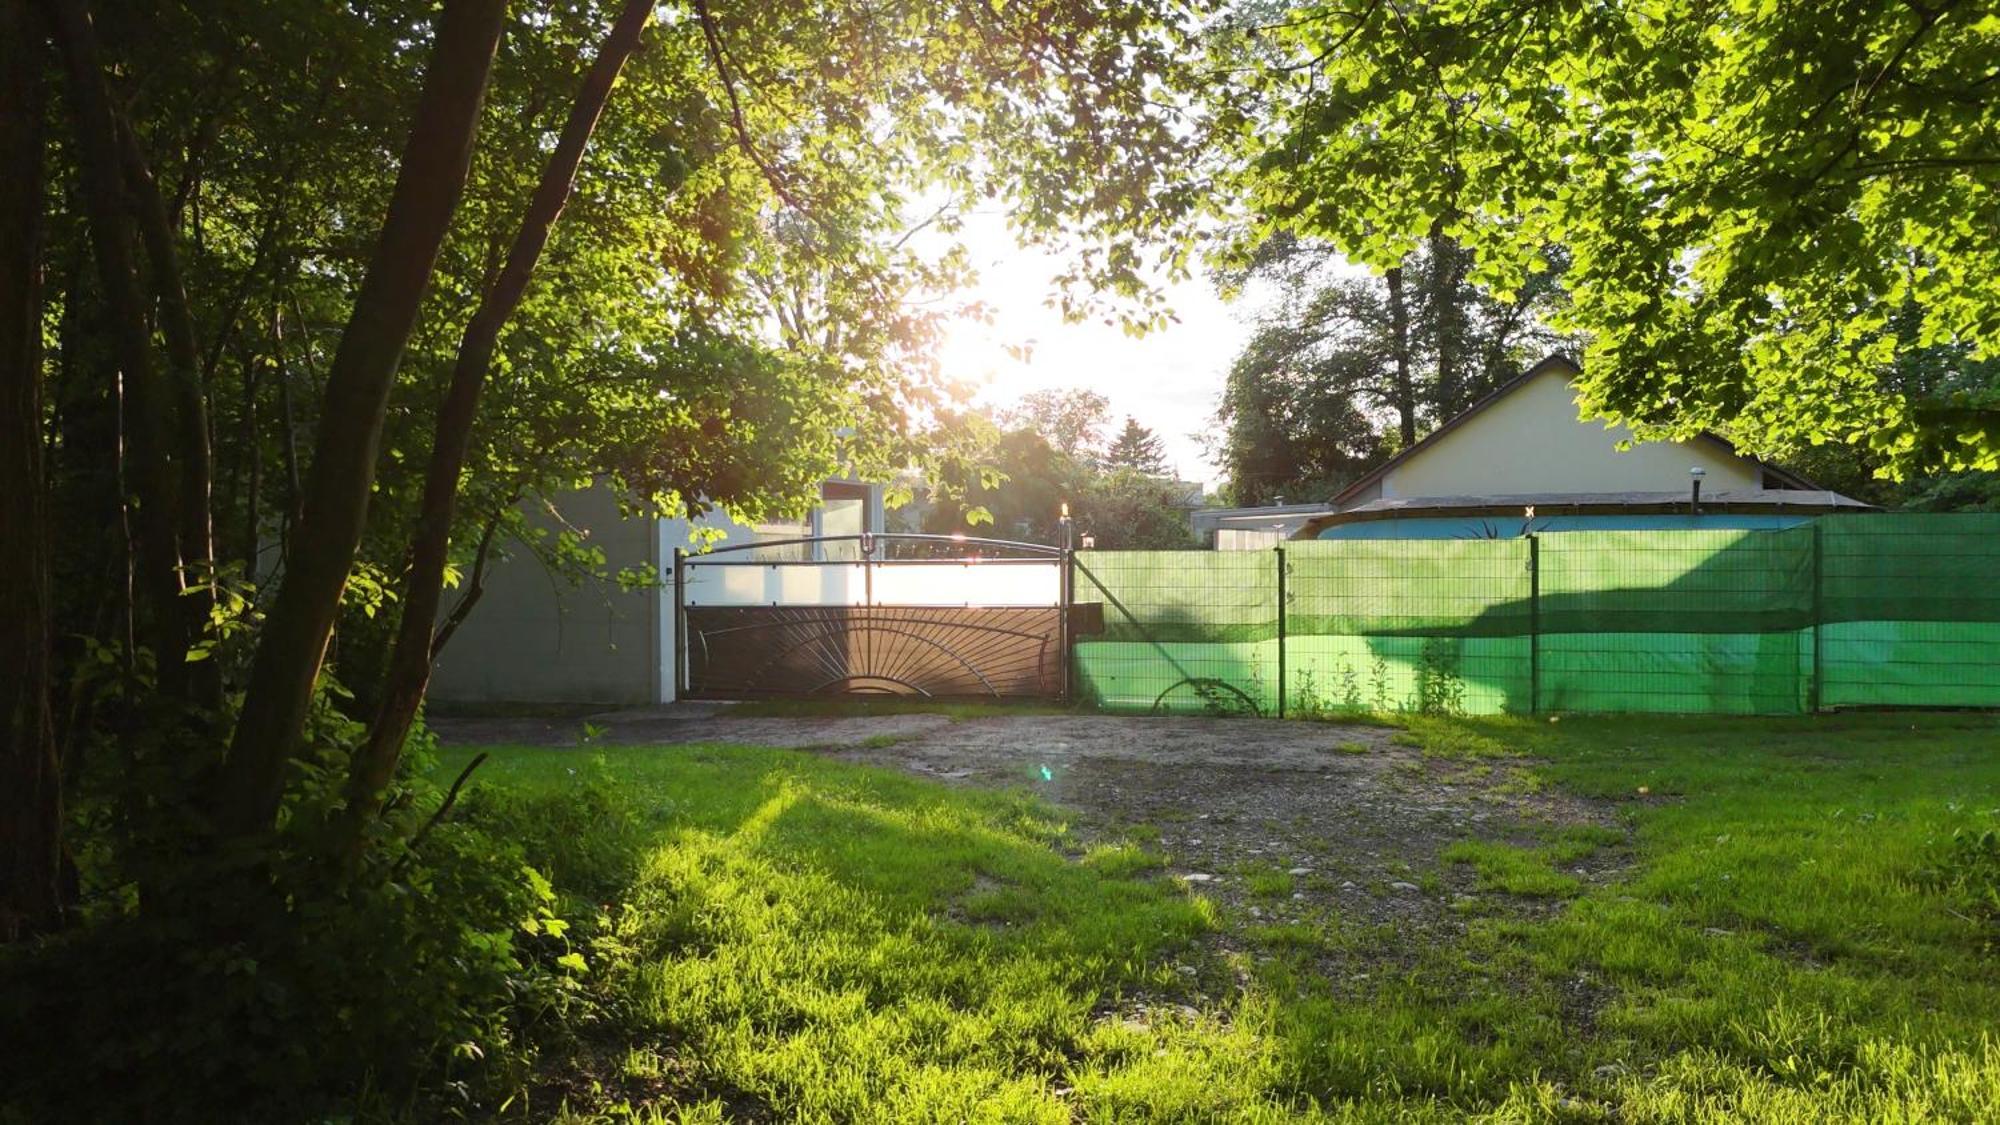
(924, 615)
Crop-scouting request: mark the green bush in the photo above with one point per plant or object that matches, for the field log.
(245, 1002)
(277, 986)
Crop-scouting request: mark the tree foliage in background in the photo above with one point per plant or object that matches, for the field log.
(1071, 421)
(1023, 478)
(1138, 449)
(1343, 370)
(309, 300)
(1765, 205)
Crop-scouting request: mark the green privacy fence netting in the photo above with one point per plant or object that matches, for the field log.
(1872, 610)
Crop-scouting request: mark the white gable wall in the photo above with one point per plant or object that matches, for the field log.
(1531, 440)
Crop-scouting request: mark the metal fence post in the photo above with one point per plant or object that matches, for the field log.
(1534, 625)
(680, 624)
(1065, 596)
(1280, 552)
(1818, 697)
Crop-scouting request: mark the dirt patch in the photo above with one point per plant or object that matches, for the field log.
(1288, 825)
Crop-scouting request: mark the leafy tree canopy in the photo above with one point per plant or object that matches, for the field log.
(1071, 421)
(1765, 204)
(1342, 370)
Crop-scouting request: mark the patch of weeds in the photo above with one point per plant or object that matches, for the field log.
(1572, 843)
(1459, 739)
(1321, 885)
(1268, 882)
(1521, 783)
(1001, 905)
(1350, 747)
(1511, 870)
(1966, 868)
(884, 741)
(1122, 860)
(1142, 834)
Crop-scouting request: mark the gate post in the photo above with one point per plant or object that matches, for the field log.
(1279, 551)
(680, 624)
(1065, 594)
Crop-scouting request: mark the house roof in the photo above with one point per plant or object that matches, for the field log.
(1551, 363)
(1763, 500)
(1210, 518)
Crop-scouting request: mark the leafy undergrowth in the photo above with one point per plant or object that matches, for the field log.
(793, 938)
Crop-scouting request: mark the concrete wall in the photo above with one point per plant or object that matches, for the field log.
(535, 637)
(1531, 441)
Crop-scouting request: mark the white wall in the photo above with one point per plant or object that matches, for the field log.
(1009, 583)
(1532, 441)
(534, 637)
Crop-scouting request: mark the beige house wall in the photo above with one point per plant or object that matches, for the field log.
(1532, 441)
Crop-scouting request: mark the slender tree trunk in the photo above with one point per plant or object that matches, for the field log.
(148, 409)
(1399, 327)
(475, 586)
(435, 163)
(253, 451)
(31, 899)
(410, 664)
(184, 377)
(294, 492)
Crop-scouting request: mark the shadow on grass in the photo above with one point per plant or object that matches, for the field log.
(796, 937)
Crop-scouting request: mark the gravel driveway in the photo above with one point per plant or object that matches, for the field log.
(1281, 821)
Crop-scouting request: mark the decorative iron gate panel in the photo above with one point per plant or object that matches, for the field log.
(756, 651)
(924, 615)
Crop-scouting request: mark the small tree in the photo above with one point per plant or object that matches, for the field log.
(1138, 449)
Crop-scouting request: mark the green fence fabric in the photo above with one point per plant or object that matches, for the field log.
(1377, 625)
(1883, 610)
(1684, 621)
(1906, 567)
(1202, 596)
(1184, 631)
(1677, 582)
(1911, 610)
(1360, 587)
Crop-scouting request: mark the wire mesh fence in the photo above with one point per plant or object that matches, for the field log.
(1866, 610)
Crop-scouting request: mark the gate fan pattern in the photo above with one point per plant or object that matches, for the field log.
(941, 651)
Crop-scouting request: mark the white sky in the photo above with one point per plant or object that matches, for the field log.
(1169, 379)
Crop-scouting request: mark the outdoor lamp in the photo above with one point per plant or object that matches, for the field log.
(1694, 501)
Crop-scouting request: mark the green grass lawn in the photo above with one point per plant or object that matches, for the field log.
(772, 935)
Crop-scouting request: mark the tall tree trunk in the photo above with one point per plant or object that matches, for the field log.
(148, 407)
(294, 492)
(1399, 327)
(410, 664)
(30, 771)
(435, 162)
(253, 452)
(184, 378)
(1450, 332)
